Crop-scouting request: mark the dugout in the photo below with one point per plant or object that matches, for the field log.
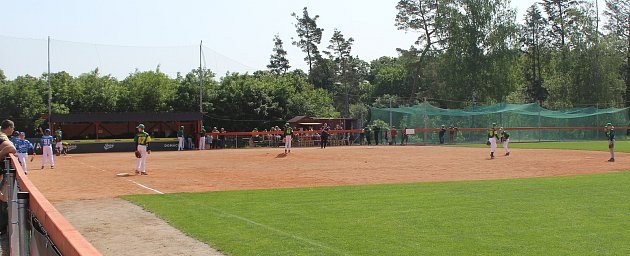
(97, 126)
(307, 122)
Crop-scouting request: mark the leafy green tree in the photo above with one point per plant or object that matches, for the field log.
(423, 17)
(93, 92)
(532, 38)
(149, 91)
(340, 53)
(278, 63)
(186, 97)
(618, 26)
(21, 102)
(309, 36)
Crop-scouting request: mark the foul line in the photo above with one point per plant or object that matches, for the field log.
(138, 184)
(143, 186)
(311, 242)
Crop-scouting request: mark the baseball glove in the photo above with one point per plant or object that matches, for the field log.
(488, 143)
(611, 145)
(138, 155)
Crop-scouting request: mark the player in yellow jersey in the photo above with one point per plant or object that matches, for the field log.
(142, 140)
(493, 136)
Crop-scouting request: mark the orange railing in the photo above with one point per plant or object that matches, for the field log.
(63, 235)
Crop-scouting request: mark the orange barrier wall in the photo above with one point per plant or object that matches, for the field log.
(67, 239)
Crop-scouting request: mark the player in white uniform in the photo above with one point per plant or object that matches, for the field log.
(47, 149)
(23, 147)
(493, 136)
(288, 137)
(180, 138)
(505, 140)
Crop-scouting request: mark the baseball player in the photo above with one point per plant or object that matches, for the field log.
(493, 136)
(23, 147)
(15, 136)
(609, 130)
(505, 140)
(58, 143)
(142, 140)
(47, 150)
(202, 138)
(288, 137)
(180, 138)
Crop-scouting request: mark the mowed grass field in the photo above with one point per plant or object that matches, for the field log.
(576, 215)
(620, 146)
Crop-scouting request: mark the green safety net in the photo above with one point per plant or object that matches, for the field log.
(505, 115)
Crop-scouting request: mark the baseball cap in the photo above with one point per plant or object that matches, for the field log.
(141, 126)
(16, 133)
(609, 124)
(494, 124)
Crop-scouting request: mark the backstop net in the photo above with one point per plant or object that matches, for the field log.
(525, 122)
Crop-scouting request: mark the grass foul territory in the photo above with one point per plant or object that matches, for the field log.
(620, 146)
(577, 215)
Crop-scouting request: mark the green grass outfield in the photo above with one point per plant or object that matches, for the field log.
(576, 215)
(620, 146)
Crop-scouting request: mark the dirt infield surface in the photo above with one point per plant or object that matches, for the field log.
(83, 186)
(93, 176)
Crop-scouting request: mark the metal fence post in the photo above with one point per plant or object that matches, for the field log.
(22, 205)
(11, 208)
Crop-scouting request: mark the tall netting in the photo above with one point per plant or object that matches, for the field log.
(528, 122)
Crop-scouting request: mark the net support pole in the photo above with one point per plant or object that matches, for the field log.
(22, 205)
(49, 88)
(200, 80)
(390, 112)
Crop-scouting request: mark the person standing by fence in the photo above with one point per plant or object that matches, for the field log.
(324, 136)
(377, 131)
(202, 138)
(6, 147)
(393, 133)
(58, 138)
(47, 150)
(180, 138)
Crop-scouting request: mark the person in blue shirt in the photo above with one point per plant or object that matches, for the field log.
(47, 149)
(15, 137)
(23, 147)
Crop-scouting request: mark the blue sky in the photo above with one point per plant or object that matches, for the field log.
(237, 34)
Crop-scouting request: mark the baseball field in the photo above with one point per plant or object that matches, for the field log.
(366, 200)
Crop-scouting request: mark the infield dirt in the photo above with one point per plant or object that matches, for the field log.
(84, 187)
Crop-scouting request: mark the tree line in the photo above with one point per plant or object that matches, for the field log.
(468, 52)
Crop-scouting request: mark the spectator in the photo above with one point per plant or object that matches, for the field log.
(386, 136)
(324, 135)
(222, 138)
(405, 137)
(442, 133)
(214, 138)
(6, 147)
(394, 133)
(191, 145)
(377, 131)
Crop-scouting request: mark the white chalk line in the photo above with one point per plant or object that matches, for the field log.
(296, 237)
(132, 181)
(143, 186)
